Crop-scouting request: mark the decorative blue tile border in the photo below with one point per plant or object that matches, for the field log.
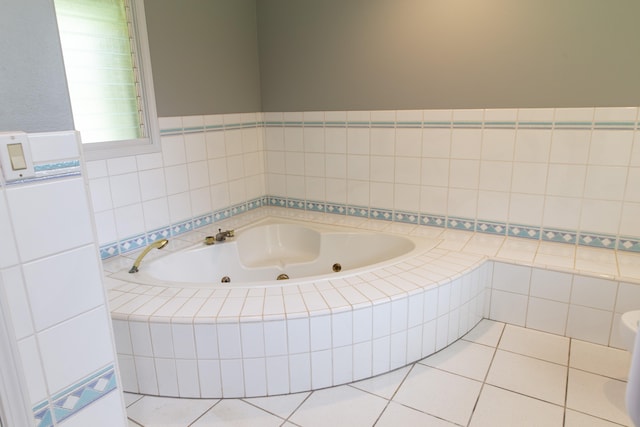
(525, 231)
(559, 236)
(74, 398)
(359, 211)
(433, 220)
(490, 227)
(597, 241)
(406, 217)
(630, 244)
(461, 223)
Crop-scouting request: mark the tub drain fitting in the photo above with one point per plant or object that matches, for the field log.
(282, 276)
(336, 267)
(226, 279)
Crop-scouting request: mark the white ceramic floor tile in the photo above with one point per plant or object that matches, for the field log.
(439, 393)
(578, 419)
(384, 385)
(283, 405)
(599, 359)
(399, 415)
(339, 406)
(151, 411)
(529, 376)
(541, 345)
(596, 395)
(502, 408)
(235, 412)
(487, 332)
(464, 358)
(132, 424)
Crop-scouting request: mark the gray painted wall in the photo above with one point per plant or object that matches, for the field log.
(204, 55)
(33, 86)
(403, 54)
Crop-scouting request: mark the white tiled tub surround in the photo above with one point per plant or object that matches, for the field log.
(564, 174)
(241, 342)
(285, 339)
(52, 292)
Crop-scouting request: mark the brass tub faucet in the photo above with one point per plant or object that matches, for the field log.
(157, 244)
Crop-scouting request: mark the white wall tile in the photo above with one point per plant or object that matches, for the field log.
(128, 374)
(167, 377)
(232, 378)
(610, 147)
(589, 324)
(67, 224)
(106, 227)
(380, 352)
(32, 369)
(108, 409)
(321, 369)
(229, 341)
(121, 165)
(594, 292)
(17, 301)
(100, 190)
(255, 377)
(551, 285)
(210, 378)
(320, 332)
(511, 277)
(570, 146)
(188, 381)
(253, 340)
(498, 144)
(508, 307)
(53, 282)
(277, 375)
(173, 151)
(362, 360)
(125, 189)
(141, 339)
(90, 337)
(299, 372)
(533, 145)
(548, 316)
(161, 339)
(628, 297)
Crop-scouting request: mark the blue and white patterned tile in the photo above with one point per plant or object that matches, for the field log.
(314, 206)
(559, 236)
(238, 209)
(109, 250)
(133, 243)
(525, 231)
(336, 209)
(202, 221)
(221, 214)
(630, 244)
(256, 203)
(296, 204)
(359, 211)
(461, 223)
(74, 399)
(406, 217)
(161, 233)
(489, 227)
(42, 415)
(181, 228)
(277, 201)
(433, 220)
(597, 241)
(381, 214)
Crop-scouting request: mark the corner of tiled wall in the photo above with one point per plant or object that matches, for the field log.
(52, 292)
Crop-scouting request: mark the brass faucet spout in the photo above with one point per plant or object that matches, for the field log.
(159, 244)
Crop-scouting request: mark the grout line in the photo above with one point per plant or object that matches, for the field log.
(203, 413)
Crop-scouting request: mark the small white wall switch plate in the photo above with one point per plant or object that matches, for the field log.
(15, 156)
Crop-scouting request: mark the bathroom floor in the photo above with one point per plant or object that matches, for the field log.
(496, 375)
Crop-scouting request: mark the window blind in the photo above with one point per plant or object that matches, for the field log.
(101, 70)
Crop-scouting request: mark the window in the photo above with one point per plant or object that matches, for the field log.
(106, 57)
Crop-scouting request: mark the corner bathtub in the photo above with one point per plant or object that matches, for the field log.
(262, 252)
(180, 332)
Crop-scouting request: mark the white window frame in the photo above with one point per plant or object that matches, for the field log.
(142, 59)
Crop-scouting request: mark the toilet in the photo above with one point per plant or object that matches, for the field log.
(631, 339)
